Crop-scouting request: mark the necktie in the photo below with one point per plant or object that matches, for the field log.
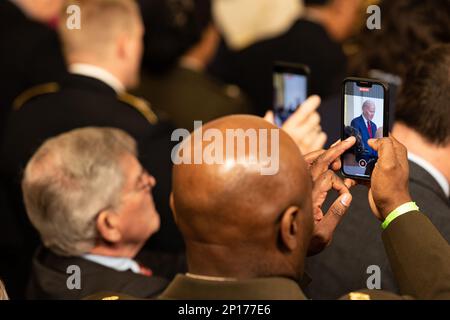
(145, 271)
(369, 128)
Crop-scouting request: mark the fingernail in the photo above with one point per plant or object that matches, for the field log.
(349, 139)
(346, 199)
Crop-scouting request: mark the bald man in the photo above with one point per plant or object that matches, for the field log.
(247, 235)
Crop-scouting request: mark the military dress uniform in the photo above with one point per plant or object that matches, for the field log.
(31, 54)
(358, 245)
(418, 254)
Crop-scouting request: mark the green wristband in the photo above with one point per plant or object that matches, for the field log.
(404, 208)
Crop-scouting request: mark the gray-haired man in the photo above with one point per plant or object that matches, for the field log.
(90, 199)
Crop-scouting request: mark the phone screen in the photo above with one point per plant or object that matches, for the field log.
(290, 90)
(365, 117)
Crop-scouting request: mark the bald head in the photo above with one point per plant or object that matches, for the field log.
(232, 205)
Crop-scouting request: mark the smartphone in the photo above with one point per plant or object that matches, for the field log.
(365, 115)
(290, 89)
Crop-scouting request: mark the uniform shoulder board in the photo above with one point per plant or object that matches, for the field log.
(109, 296)
(358, 296)
(140, 105)
(29, 94)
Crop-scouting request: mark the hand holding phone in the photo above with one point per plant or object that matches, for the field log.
(290, 83)
(389, 186)
(303, 126)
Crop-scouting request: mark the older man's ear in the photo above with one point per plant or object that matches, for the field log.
(108, 226)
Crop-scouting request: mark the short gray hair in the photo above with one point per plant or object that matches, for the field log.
(69, 180)
(102, 21)
(368, 103)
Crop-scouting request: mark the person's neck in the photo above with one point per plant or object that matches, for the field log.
(105, 66)
(123, 251)
(436, 155)
(215, 261)
(324, 16)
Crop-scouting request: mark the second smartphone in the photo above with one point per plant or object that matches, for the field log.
(290, 89)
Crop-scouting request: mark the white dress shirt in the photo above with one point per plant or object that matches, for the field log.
(116, 263)
(365, 121)
(98, 73)
(435, 173)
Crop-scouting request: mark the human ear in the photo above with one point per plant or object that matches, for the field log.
(108, 226)
(290, 228)
(124, 46)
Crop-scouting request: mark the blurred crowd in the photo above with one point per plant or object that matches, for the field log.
(87, 179)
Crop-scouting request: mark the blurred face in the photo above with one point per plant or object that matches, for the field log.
(137, 214)
(369, 111)
(346, 15)
(42, 10)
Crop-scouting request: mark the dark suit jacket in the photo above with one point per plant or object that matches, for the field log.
(359, 124)
(30, 55)
(419, 256)
(306, 42)
(76, 102)
(356, 244)
(49, 279)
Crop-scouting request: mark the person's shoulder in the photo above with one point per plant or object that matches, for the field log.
(306, 29)
(306, 26)
(356, 119)
(36, 92)
(112, 296)
(99, 278)
(368, 294)
(140, 105)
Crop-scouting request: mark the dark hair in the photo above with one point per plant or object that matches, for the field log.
(171, 28)
(424, 100)
(315, 2)
(407, 28)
